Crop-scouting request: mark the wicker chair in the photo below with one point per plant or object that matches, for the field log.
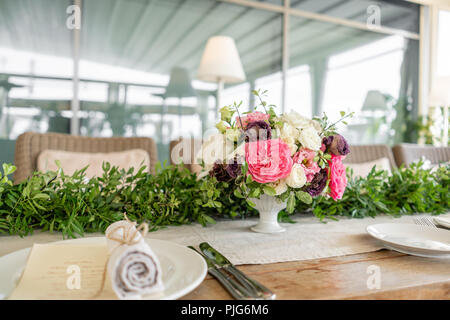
(407, 153)
(366, 153)
(29, 145)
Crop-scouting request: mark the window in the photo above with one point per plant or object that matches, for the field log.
(443, 44)
(366, 80)
(129, 48)
(299, 91)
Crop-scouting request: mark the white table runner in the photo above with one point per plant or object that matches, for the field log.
(307, 239)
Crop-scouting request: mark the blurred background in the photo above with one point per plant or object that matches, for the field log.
(131, 67)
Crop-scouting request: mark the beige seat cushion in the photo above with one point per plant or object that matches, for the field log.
(363, 169)
(72, 161)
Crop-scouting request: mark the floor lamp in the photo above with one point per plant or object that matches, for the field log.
(220, 63)
(179, 87)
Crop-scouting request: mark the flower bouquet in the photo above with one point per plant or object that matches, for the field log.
(274, 160)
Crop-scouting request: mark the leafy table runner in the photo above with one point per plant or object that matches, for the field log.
(307, 239)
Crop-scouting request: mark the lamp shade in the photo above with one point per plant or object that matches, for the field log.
(220, 61)
(440, 92)
(375, 100)
(179, 84)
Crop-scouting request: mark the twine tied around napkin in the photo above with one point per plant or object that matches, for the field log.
(128, 238)
(129, 233)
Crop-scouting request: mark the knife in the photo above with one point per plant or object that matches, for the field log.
(235, 289)
(249, 283)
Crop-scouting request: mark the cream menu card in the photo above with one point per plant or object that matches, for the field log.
(64, 271)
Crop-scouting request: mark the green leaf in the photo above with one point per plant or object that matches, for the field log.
(8, 169)
(238, 193)
(305, 197)
(269, 190)
(255, 193)
(42, 196)
(250, 203)
(290, 203)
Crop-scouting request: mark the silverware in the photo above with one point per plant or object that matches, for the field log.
(250, 284)
(233, 287)
(425, 221)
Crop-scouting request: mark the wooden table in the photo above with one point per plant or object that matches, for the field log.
(401, 277)
(344, 277)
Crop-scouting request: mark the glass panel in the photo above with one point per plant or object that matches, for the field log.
(35, 70)
(367, 80)
(443, 44)
(237, 94)
(402, 15)
(436, 130)
(273, 83)
(298, 90)
(341, 68)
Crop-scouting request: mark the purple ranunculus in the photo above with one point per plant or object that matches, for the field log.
(339, 146)
(220, 172)
(318, 183)
(327, 141)
(234, 168)
(258, 130)
(336, 145)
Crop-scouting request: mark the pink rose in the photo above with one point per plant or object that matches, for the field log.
(252, 117)
(305, 157)
(338, 179)
(268, 160)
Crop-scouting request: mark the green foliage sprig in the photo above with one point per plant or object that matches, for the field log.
(407, 190)
(74, 205)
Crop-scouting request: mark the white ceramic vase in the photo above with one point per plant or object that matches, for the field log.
(268, 208)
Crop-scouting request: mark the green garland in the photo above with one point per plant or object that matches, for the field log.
(74, 205)
(406, 191)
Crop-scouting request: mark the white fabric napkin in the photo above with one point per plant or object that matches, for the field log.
(133, 268)
(442, 221)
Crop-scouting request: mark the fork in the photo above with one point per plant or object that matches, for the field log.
(424, 221)
(234, 288)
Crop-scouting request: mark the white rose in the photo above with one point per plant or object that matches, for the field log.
(280, 186)
(316, 125)
(289, 135)
(296, 120)
(289, 131)
(309, 138)
(291, 142)
(297, 177)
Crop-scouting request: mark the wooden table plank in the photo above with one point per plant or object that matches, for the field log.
(345, 277)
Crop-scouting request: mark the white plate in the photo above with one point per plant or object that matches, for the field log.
(413, 239)
(182, 269)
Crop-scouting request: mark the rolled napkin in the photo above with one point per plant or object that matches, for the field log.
(132, 266)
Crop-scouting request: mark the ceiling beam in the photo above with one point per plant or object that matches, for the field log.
(220, 30)
(184, 35)
(136, 32)
(324, 18)
(151, 44)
